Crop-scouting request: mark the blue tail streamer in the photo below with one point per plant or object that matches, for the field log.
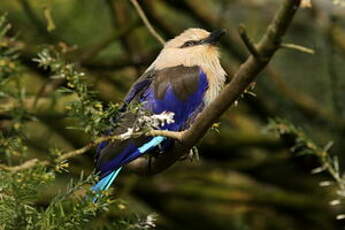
(106, 182)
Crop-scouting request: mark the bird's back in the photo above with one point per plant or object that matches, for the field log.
(179, 90)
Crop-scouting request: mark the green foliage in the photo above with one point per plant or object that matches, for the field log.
(70, 209)
(301, 144)
(67, 212)
(295, 137)
(23, 183)
(93, 118)
(20, 191)
(11, 138)
(8, 52)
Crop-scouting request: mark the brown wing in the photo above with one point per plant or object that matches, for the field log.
(184, 80)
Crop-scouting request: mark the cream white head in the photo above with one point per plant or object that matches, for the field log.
(195, 47)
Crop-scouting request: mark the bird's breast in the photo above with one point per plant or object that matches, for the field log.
(216, 80)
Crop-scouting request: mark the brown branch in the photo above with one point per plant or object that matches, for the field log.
(35, 162)
(146, 22)
(94, 143)
(246, 74)
(26, 165)
(171, 134)
(247, 41)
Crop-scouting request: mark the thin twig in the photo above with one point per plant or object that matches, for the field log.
(121, 137)
(92, 144)
(36, 21)
(26, 165)
(174, 135)
(298, 48)
(35, 162)
(146, 21)
(247, 41)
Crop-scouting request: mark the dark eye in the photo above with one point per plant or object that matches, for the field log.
(189, 44)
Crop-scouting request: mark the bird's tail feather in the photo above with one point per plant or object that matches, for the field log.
(144, 148)
(106, 182)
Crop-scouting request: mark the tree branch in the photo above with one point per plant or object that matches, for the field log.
(247, 41)
(246, 74)
(35, 162)
(174, 135)
(26, 165)
(146, 21)
(94, 143)
(298, 48)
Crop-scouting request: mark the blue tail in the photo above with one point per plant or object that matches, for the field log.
(106, 182)
(144, 148)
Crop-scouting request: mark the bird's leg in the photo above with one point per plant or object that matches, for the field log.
(160, 148)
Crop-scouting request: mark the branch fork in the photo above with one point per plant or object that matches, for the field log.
(248, 42)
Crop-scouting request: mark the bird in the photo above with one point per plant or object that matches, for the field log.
(184, 79)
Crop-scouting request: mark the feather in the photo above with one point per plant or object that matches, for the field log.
(108, 164)
(153, 143)
(105, 182)
(139, 86)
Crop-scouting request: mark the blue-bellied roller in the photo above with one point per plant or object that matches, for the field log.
(184, 78)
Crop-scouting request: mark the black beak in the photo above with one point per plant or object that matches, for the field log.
(214, 37)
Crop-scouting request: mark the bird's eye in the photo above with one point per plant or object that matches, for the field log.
(189, 44)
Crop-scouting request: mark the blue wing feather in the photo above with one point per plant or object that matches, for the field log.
(130, 153)
(183, 111)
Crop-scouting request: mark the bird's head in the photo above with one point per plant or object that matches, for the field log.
(195, 40)
(192, 47)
